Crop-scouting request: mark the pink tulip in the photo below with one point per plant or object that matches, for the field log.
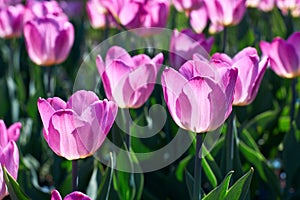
(185, 43)
(284, 55)
(5, 3)
(250, 73)
(224, 13)
(127, 80)
(11, 21)
(40, 9)
(98, 14)
(9, 154)
(72, 196)
(187, 5)
(198, 19)
(48, 40)
(76, 128)
(199, 96)
(289, 5)
(139, 14)
(264, 5)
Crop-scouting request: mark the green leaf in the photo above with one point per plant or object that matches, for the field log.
(189, 182)
(209, 173)
(182, 166)
(14, 189)
(240, 189)
(220, 191)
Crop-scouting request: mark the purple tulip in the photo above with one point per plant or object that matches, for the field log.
(55, 195)
(198, 19)
(73, 9)
(187, 5)
(76, 128)
(185, 44)
(264, 5)
(48, 40)
(284, 55)
(224, 13)
(127, 80)
(11, 21)
(9, 153)
(199, 96)
(250, 73)
(40, 9)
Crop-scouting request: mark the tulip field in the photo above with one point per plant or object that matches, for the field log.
(150, 99)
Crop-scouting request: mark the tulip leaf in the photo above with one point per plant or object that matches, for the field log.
(182, 166)
(14, 189)
(209, 173)
(278, 27)
(238, 191)
(189, 182)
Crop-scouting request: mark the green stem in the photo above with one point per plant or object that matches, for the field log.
(74, 175)
(198, 168)
(293, 101)
(48, 82)
(229, 141)
(224, 40)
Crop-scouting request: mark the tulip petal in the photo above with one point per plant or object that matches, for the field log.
(13, 131)
(55, 195)
(9, 157)
(64, 42)
(3, 188)
(57, 103)
(199, 25)
(294, 41)
(140, 59)
(3, 135)
(77, 196)
(100, 65)
(119, 53)
(128, 15)
(288, 57)
(193, 68)
(63, 137)
(248, 51)
(81, 100)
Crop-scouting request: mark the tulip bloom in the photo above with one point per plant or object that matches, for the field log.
(199, 25)
(264, 5)
(284, 55)
(139, 14)
(127, 80)
(48, 40)
(199, 96)
(289, 5)
(40, 9)
(185, 43)
(187, 5)
(11, 21)
(250, 73)
(76, 128)
(55, 195)
(224, 13)
(9, 154)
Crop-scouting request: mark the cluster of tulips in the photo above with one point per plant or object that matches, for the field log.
(199, 90)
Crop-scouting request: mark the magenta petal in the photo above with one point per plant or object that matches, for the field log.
(248, 51)
(158, 61)
(46, 111)
(13, 131)
(57, 103)
(63, 137)
(100, 65)
(64, 42)
(288, 58)
(119, 53)
(265, 47)
(221, 57)
(81, 100)
(3, 135)
(293, 40)
(9, 157)
(140, 60)
(3, 188)
(55, 195)
(128, 14)
(77, 196)
(199, 25)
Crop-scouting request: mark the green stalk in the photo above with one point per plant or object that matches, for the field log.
(198, 168)
(74, 175)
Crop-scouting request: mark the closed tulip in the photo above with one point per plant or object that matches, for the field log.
(187, 5)
(9, 153)
(199, 96)
(185, 43)
(76, 128)
(223, 13)
(48, 40)
(127, 80)
(11, 21)
(250, 73)
(284, 55)
(55, 195)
